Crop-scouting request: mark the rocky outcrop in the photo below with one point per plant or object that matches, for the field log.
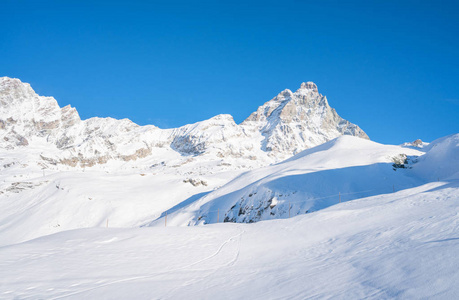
(416, 143)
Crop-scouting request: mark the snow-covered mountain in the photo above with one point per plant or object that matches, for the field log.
(285, 125)
(77, 195)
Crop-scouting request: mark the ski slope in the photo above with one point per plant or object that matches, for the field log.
(401, 245)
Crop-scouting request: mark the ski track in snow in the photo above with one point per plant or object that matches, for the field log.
(231, 263)
(187, 267)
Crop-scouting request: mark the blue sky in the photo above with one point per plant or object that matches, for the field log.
(391, 67)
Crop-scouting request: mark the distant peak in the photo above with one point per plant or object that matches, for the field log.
(309, 86)
(227, 117)
(286, 93)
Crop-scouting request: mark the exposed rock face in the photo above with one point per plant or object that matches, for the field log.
(292, 122)
(417, 144)
(25, 116)
(283, 126)
(309, 86)
(217, 133)
(195, 182)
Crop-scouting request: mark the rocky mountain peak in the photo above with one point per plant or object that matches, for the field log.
(13, 90)
(309, 86)
(284, 94)
(289, 106)
(292, 122)
(25, 115)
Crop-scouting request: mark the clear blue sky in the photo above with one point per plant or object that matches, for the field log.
(391, 67)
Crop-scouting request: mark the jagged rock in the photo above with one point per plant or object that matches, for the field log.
(400, 161)
(17, 187)
(292, 122)
(139, 153)
(49, 160)
(195, 182)
(417, 143)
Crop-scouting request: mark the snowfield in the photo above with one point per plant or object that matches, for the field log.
(400, 245)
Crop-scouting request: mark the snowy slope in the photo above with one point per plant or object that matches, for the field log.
(345, 168)
(441, 159)
(38, 202)
(401, 245)
(340, 170)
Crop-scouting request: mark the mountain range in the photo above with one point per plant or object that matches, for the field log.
(283, 126)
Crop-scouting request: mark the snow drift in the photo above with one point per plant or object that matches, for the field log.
(441, 160)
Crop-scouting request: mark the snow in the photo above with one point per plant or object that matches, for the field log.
(441, 159)
(63, 200)
(343, 169)
(400, 245)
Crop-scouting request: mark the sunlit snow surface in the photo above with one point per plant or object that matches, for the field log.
(401, 244)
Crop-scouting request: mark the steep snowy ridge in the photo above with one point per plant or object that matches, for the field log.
(288, 124)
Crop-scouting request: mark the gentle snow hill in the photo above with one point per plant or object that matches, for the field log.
(37, 202)
(343, 169)
(441, 160)
(401, 245)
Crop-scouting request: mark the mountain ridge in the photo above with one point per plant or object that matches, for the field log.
(280, 128)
